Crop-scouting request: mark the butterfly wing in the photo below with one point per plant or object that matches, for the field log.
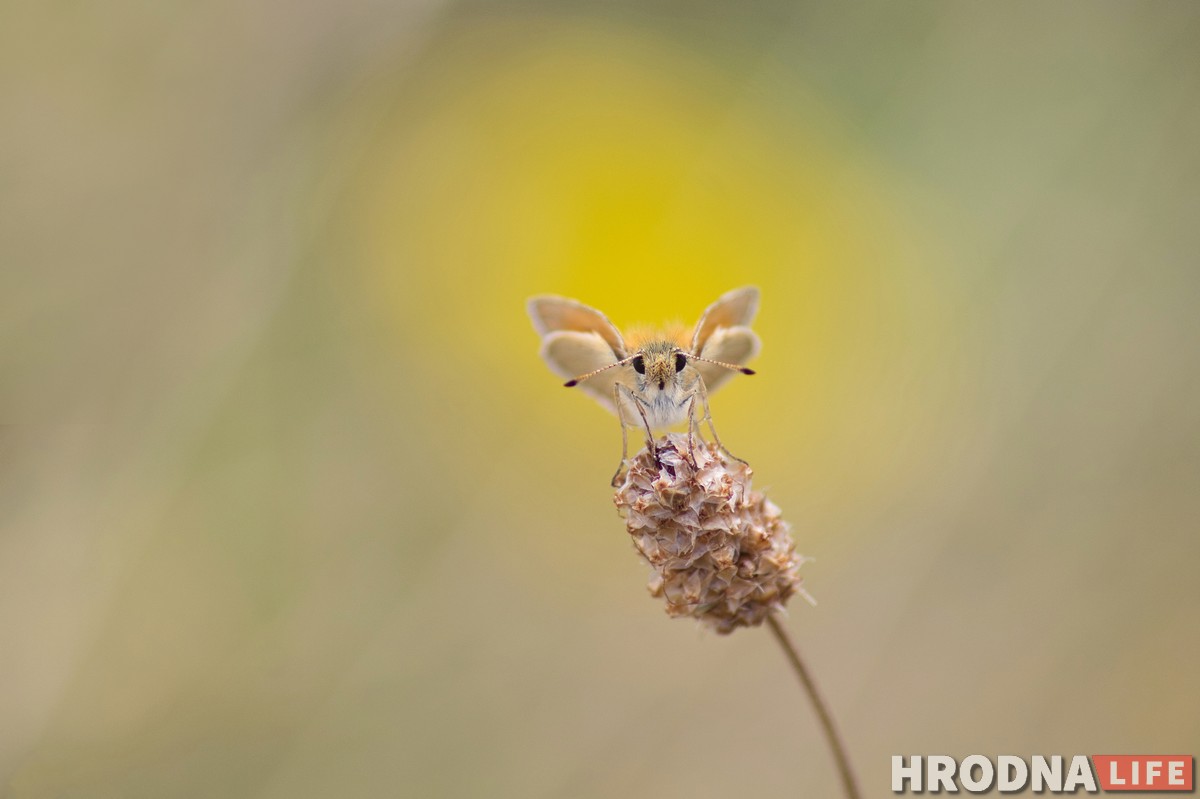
(732, 309)
(569, 354)
(550, 313)
(736, 345)
(723, 334)
(576, 340)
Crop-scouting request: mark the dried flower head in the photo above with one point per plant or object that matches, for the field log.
(720, 552)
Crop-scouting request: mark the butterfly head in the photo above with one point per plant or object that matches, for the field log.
(659, 364)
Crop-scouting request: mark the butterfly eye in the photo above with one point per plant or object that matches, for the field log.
(680, 361)
(639, 365)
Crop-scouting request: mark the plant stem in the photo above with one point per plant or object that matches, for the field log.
(826, 718)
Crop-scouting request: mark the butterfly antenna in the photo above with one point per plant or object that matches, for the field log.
(731, 366)
(576, 381)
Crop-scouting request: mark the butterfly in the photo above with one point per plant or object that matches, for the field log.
(658, 376)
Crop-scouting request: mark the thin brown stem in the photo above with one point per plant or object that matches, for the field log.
(826, 718)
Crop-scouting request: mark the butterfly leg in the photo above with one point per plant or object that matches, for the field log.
(693, 430)
(620, 473)
(617, 396)
(708, 418)
(645, 423)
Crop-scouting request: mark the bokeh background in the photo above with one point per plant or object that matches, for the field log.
(289, 506)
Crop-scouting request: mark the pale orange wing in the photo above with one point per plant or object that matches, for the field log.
(735, 345)
(570, 354)
(576, 340)
(733, 309)
(550, 313)
(723, 334)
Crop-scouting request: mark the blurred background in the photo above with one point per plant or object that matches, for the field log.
(290, 507)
